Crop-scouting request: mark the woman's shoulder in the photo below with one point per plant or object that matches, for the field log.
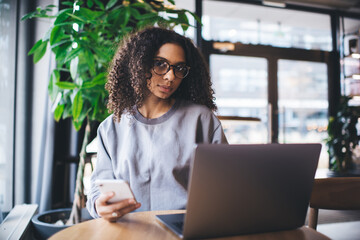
(111, 122)
(193, 110)
(192, 107)
(107, 122)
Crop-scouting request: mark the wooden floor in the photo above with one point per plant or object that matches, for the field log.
(341, 231)
(335, 216)
(339, 225)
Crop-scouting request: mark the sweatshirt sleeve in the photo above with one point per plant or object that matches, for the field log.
(218, 135)
(103, 170)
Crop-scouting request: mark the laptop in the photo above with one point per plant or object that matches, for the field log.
(245, 189)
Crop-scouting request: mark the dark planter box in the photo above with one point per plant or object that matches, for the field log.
(44, 222)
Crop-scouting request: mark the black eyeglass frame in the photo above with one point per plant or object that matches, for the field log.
(169, 67)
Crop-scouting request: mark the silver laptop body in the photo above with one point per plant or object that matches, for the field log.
(243, 189)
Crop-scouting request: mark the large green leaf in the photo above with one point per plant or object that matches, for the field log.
(147, 16)
(62, 15)
(89, 3)
(60, 53)
(89, 57)
(126, 16)
(135, 13)
(77, 105)
(110, 4)
(73, 54)
(147, 7)
(99, 4)
(67, 110)
(197, 19)
(89, 14)
(56, 34)
(58, 112)
(67, 3)
(74, 67)
(28, 16)
(77, 124)
(98, 80)
(40, 51)
(184, 21)
(66, 85)
(35, 47)
(52, 88)
(61, 43)
(77, 17)
(95, 108)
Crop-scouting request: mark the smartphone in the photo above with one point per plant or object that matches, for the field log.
(121, 189)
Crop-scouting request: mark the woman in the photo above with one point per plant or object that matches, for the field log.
(162, 101)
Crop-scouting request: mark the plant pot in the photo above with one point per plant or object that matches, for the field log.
(44, 222)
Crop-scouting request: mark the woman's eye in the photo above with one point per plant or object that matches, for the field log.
(160, 64)
(180, 68)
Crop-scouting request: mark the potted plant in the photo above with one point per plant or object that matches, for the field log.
(83, 37)
(343, 138)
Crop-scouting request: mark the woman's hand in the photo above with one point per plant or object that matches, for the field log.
(113, 211)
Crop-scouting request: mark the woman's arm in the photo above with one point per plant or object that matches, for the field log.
(97, 203)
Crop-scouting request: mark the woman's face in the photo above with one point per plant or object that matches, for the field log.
(165, 84)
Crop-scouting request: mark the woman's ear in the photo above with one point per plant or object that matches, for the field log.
(148, 75)
(148, 83)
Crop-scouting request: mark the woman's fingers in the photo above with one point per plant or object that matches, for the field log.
(120, 213)
(129, 209)
(103, 198)
(113, 211)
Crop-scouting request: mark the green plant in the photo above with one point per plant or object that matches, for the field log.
(343, 136)
(84, 36)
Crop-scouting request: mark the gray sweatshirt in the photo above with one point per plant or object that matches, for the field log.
(153, 155)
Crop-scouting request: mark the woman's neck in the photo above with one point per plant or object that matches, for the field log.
(155, 108)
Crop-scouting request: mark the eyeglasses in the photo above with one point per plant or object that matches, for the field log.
(162, 67)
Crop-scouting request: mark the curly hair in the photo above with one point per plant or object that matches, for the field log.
(132, 63)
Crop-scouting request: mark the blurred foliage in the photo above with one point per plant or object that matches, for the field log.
(343, 136)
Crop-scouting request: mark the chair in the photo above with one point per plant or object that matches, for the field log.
(338, 193)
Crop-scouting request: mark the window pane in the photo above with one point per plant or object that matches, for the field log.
(350, 63)
(250, 24)
(7, 85)
(303, 104)
(240, 85)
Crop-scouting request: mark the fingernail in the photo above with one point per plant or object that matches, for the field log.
(132, 201)
(110, 194)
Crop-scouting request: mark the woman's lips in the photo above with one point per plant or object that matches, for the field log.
(164, 88)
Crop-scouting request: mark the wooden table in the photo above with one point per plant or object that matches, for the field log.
(143, 225)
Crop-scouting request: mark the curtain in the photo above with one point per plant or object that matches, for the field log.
(34, 124)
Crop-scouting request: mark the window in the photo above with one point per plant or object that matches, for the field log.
(249, 24)
(240, 85)
(7, 93)
(303, 104)
(275, 69)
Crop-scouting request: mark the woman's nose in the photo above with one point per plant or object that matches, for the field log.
(170, 75)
